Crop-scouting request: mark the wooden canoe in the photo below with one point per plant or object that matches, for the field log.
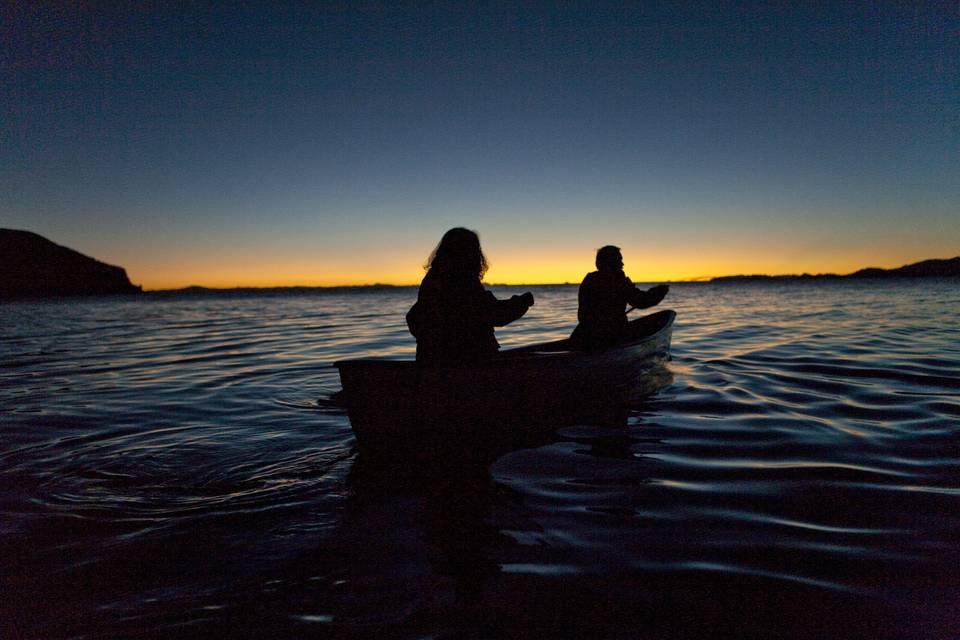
(401, 408)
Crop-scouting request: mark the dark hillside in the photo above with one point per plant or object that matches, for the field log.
(925, 269)
(32, 266)
(932, 268)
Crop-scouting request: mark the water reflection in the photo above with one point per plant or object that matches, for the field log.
(796, 478)
(432, 534)
(427, 545)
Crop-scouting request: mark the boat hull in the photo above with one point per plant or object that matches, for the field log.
(401, 408)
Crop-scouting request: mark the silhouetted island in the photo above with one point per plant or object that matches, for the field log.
(925, 269)
(32, 266)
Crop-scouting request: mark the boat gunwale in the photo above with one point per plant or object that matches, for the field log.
(531, 353)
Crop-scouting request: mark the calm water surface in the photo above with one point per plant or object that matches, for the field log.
(167, 471)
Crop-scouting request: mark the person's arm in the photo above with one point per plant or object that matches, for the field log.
(502, 312)
(585, 297)
(418, 317)
(644, 299)
(415, 319)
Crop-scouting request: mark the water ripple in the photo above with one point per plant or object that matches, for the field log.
(172, 465)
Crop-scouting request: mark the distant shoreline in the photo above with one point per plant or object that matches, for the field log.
(32, 266)
(949, 268)
(197, 289)
(363, 288)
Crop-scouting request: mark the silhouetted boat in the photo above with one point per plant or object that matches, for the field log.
(401, 408)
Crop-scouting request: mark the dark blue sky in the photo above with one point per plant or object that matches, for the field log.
(289, 143)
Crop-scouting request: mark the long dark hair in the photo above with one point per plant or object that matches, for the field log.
(458, 254)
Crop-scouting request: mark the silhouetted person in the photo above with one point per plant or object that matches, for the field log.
(454, 316)
(604, 295)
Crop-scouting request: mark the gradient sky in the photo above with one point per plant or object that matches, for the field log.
(276, 144)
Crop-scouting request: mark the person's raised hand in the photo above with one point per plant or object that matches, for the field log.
(660, 291)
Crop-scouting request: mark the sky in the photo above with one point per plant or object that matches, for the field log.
(267, 144)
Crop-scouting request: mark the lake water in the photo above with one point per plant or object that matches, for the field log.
(167, 471)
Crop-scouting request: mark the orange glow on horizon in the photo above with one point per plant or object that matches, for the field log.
(661, 264)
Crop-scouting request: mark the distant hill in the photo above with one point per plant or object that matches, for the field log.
(279, 291)
(925, 269)
(32, 266)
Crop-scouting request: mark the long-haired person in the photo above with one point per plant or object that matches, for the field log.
(454, 317)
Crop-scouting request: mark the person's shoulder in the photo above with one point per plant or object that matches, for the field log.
(433, 284)
(589, 278)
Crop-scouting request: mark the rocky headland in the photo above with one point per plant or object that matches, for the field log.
(32, 266)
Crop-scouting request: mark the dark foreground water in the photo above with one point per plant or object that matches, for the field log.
(166, 471)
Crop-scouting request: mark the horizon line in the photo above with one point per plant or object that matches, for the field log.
(389, 285)
(697, 279)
